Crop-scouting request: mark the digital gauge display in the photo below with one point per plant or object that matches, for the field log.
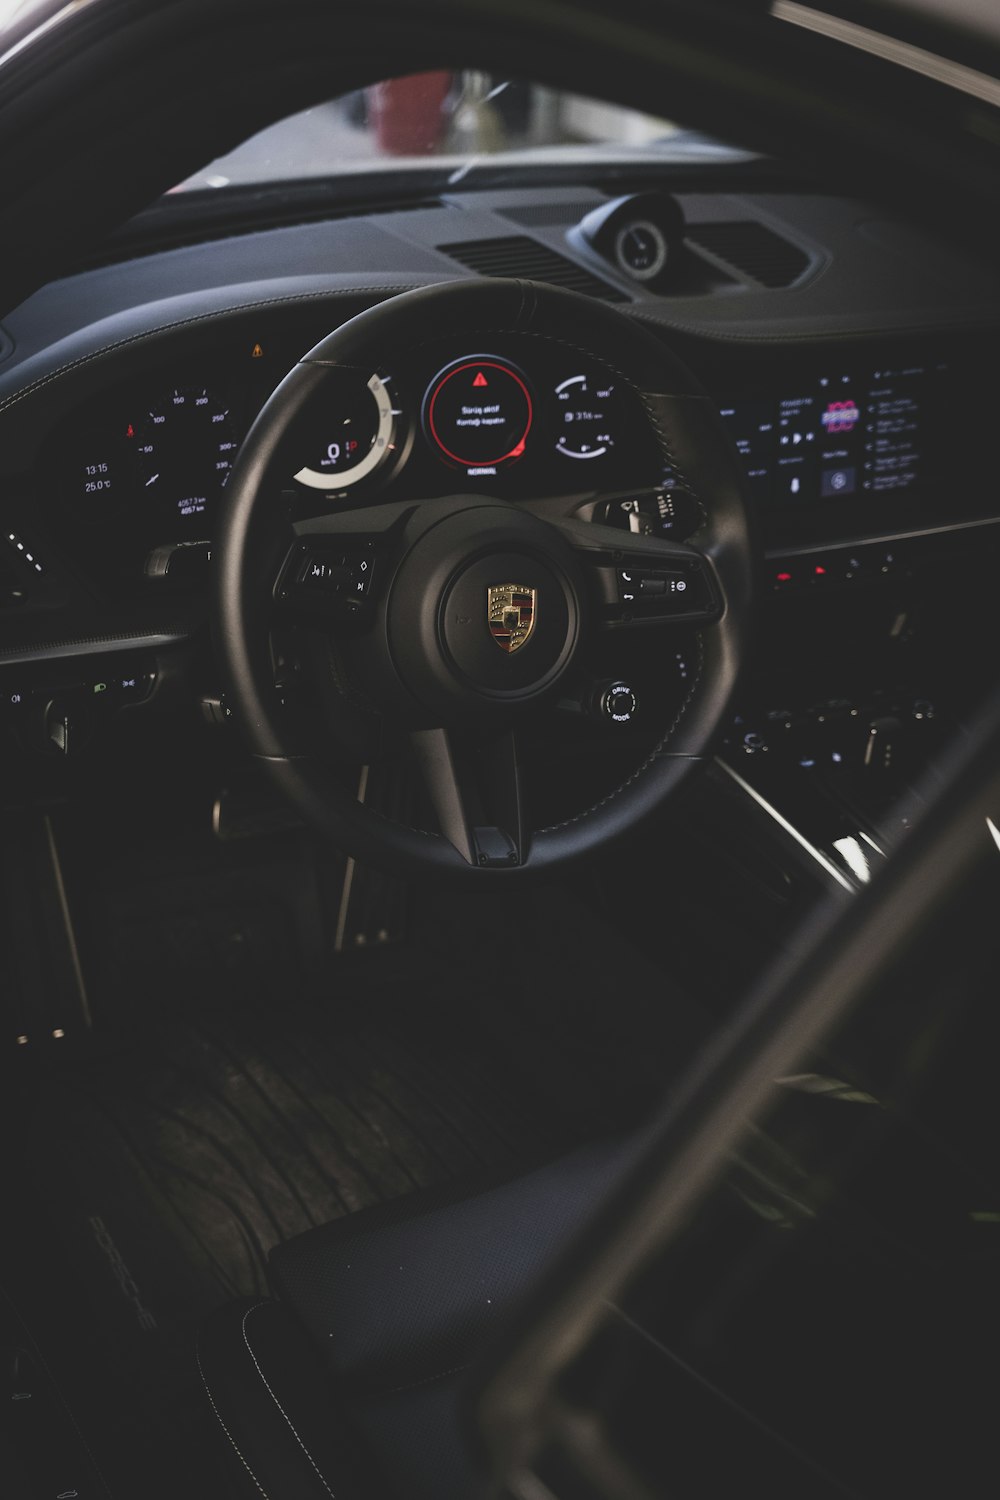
(356, 438)
(186, 448)
(157, 466)
(586, 416)
(478, 413)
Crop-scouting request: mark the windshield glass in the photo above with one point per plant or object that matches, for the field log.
(453, 121)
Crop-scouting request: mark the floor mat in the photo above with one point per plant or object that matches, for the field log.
(228, 1114)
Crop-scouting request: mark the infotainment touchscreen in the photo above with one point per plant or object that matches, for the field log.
(841, 435)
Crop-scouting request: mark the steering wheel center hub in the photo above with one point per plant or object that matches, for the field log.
(486, 609)
(506, 624)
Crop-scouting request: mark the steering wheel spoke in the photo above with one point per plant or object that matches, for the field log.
(474, 786)
(642, 581)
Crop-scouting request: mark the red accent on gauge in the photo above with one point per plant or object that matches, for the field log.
(479, 366)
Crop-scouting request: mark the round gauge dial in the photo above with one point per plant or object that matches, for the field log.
(186, 451)
(641, 249)
(478, 413)
(356, 439)
(586, 416)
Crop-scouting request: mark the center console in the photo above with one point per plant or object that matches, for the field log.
(872, 477)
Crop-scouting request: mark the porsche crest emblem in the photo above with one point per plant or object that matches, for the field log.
(512, 610)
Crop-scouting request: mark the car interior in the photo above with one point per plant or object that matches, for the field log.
(495, 616)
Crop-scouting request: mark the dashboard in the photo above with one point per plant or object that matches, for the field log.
(859, 398)
(139, 471)
(124, 487)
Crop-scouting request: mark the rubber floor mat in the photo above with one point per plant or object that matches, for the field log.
(226, 1114)
(172, 1167)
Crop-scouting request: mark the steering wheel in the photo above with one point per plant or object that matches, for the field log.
(444, 587)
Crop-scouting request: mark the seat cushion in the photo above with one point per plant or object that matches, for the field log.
(351, 1383)
(276, 1407)
(409, 1291)
(291, 1432)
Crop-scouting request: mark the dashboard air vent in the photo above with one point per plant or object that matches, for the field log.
(751, 249)
(519, 255)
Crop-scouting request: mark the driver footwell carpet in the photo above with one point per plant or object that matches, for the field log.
(229, 1115)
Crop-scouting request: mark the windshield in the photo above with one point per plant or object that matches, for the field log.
(453, 121)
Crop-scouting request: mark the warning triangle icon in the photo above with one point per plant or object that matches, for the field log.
(480, 379)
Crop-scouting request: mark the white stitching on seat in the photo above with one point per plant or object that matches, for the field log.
(257, 1306)
(218, 1418)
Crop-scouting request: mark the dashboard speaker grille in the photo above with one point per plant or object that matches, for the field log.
(751, 249)
(520, 256)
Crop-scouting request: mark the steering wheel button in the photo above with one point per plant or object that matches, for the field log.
(320, 574)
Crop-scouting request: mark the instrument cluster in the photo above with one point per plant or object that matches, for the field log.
(144, 466)
(479, 420)
(521, 419)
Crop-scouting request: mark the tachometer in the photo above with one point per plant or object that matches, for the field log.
(586, 416)
(186, 451)
(354, 440)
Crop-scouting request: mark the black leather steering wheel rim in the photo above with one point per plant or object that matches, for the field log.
(693, 440)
